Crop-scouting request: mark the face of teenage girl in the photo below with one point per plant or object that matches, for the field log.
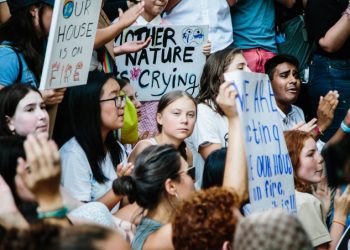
(45, 19)
(112, 106)
(178, 118)
(310, 163)
(30, 116)
(153, 8)
(238, 63)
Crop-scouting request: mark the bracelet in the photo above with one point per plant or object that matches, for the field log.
(339, 222)
(316, 132)
(59, 213)
(344, 127)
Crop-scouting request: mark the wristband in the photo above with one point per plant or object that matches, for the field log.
(316, 132)
(59, 213)
(338, 222)
(344, 127)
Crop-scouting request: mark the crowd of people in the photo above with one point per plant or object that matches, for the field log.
(175, 176)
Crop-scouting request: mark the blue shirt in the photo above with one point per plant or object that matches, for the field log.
(9, 68)
(253, 23)
(144, 229)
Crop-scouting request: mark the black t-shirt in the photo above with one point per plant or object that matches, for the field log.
(320, 16)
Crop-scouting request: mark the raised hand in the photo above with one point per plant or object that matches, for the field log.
(43, 177)
(53, 96)
(226, 99)
(207, 48)
(306, 127)
(326, 108)
(131, 46)
(124, 170)
(130, 16)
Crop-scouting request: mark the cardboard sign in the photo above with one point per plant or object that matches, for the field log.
(70, 43)
(270, 170)
(173, 61)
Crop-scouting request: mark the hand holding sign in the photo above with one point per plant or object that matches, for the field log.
(226, 100)
(53, 96)
(131, 47)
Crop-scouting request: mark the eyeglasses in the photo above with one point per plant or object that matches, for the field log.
(119, 101)
(190, 171)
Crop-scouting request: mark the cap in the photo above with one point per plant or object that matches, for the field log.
(16, 5)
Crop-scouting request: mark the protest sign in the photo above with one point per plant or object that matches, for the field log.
(173, 61)
(70, 43)
(270, 170)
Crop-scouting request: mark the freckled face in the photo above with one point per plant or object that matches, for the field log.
(311, 163)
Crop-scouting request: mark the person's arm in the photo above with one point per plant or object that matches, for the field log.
(9, 213)
(4, 12)
(235, 174)
(337, 35)
(325, 111)
(341, 210)
(340, 134)
(206, 150)
(43, 179)
(110, 199)
(140, 146)
(105, 35)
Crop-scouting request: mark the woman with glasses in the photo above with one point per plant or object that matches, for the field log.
(91, 156)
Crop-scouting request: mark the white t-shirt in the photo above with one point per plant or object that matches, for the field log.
(210, 127)
(295, 116)
(309, 213)
(214, 13)
(77, 178)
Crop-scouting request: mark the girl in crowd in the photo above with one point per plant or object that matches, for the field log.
(176, 116)
(23, 38)
(91, 156)
(211, 132)
(308, 168)
(22, 111)
(159, 182)
(161, 179)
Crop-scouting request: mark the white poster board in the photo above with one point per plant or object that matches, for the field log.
(270, 170)
(173, 61)
(70, 44)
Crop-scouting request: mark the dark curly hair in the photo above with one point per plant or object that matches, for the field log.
(205, 220)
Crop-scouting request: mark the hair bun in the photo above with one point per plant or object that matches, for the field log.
(125, 186)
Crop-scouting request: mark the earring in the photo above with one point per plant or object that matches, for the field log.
(176, 195)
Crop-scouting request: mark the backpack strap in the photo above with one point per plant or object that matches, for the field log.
(20, 65)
